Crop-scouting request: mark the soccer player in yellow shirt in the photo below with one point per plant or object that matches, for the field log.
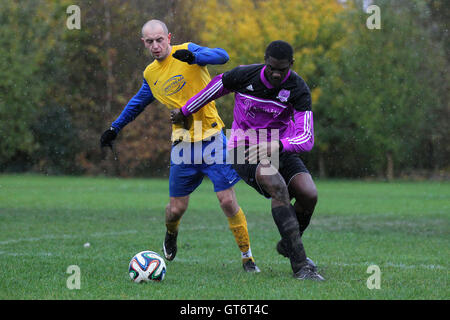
(178, 73)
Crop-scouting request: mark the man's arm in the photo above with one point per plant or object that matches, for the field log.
(202, 56)
(219, 86)
(213, 90)
(303, 141)
(134, 107)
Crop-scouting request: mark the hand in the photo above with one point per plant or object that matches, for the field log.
(176, 116)
(184, 55)
(262, 151)
(107, 138)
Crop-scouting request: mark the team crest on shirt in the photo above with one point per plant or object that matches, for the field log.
(283, 95)
(173, 85)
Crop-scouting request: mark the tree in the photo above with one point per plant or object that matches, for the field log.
(316, 30)
(384, 91)
(68, 85)
(24, 28)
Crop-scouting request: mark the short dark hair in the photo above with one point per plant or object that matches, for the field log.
(280, 50)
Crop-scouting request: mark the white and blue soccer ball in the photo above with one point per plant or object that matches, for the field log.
(147, 266)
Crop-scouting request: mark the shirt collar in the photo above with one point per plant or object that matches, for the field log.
(266, 82)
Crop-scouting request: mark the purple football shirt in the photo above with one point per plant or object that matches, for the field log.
(262, 112)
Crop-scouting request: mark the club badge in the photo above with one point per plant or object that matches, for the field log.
(283, 95)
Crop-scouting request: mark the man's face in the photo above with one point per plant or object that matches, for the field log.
(276, 70)
(157, 42)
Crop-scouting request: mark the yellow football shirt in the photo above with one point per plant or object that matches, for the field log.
(173, 83)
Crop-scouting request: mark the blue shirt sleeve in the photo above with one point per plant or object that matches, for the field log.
(204, 55)
(134, 107)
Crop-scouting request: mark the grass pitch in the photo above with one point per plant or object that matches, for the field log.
(401, 227)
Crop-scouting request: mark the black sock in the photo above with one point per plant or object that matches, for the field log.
(288, 226)
(303, 218)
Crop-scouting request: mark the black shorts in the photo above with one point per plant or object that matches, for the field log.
(290, 165)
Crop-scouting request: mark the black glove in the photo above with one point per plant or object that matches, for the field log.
(184, 55)
(107, 138)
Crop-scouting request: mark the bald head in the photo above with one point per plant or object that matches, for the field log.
(156, 39)
(154, 25)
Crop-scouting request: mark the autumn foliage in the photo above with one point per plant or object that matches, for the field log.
(380, 97)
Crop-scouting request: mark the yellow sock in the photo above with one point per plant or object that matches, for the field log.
(172, 227)
(238, 225)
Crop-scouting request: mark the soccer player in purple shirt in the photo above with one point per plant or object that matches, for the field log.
(273, 124)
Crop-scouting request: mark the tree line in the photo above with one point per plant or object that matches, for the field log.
(380, 96)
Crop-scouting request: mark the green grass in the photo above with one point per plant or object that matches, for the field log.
(402, 227)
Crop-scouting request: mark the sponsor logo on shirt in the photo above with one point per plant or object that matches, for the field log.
(251, 109)
(173, 85)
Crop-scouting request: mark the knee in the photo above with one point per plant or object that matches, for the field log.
(276, 188)
(228, 203)
(175, 211)
(308, 197)
(304, 190)
(278, 192)
(312, 195)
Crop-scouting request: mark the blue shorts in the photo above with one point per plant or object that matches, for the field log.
(190, 162)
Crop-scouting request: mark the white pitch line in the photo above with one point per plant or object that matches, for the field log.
(204, 260)
(195, 260)
(27, 254)
(361, 264)
(67, 236)
(391, 265)
(95, 235)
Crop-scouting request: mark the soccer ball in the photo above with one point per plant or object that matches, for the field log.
(147, 266)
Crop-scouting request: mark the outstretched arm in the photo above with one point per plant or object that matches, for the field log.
(134, 107)
(212, 91)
